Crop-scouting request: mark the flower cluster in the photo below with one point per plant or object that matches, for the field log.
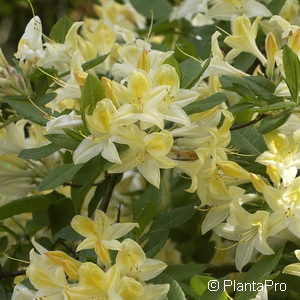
(106, 97)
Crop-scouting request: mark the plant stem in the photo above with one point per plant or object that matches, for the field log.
(111, 180)
(257, 119)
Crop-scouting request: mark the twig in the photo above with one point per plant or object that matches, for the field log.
(12, 274)
(79, 184)
(257, 119)
(111, 181)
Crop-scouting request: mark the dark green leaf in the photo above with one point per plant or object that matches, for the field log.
(68, 233)
(60, 29)
(146, 207)
(38, 153)
(291, 65)
(185, 271)
(191, 70)
(155, 242)
(63, 141)
(3, 245)
(205, 104)
(258, 273)
(92, 93)
(275, 106)
(272, 122)
(28, 204)
(3, 295)
(58, 176)
(94, 62)
(174, 217)
(160, 9)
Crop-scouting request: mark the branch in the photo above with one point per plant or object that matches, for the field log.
(257, 119)
(79, 185)
(110, 182)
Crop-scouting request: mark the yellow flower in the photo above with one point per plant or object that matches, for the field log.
(243, 39)
(100, 234)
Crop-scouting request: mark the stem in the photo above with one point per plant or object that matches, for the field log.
(110, 182)
(257, 119)
(79, 184)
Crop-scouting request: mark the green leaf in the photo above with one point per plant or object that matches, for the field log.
(68, 233)
(156, 241)
(146, 207)
(60, 29)
(29, 112)
(94, 62)
(58, 176)
(291, 65)
(275, 106)
(86, 177)
(258, 273)
(38, 153)
(28, 204)
(174, 217)
(248, 140)
(60, 214)
(63, 141)
(184, 272)
(205, 104)
(175, 291)
(160, 9)
(172, 61)
(191, 70)
(272, 122)
(99, 193)
(93, 92)
(240, 107)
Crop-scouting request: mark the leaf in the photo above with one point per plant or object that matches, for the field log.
(191, 70)
(291, 65)
(60, 214)
(58, 176)
(205, 104)
(28, 204)
(174, 217)
(156, 241)
(63, 141)
(29, 112)
(248, 140)
(175, 291)
(3, 245)
(240, 107)
(92, 93)
(93, 204)
(172, 61)
(258, 273)
(68, 233)
(146, 207)
(86, 177)
(94, 62)
(160, 9)
(272, 122)
(60, 29)
(38, 153)
(184, 272)
(275, 106)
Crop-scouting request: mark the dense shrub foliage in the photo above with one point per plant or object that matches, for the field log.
(150, 149)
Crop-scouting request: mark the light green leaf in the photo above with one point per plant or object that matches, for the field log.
(191, 70)
(63, 141)
(185, 271)
(38, 153)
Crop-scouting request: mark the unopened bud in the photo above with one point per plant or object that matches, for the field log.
(294, 41)
(232, 169)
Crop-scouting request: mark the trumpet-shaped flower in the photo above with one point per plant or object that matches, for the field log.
(229, 9)
(147, 152)
(30, 47)
(102, 127)
(243, 39)
(131, 261)
(283, 157)
(140, 101)
(100, 234)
